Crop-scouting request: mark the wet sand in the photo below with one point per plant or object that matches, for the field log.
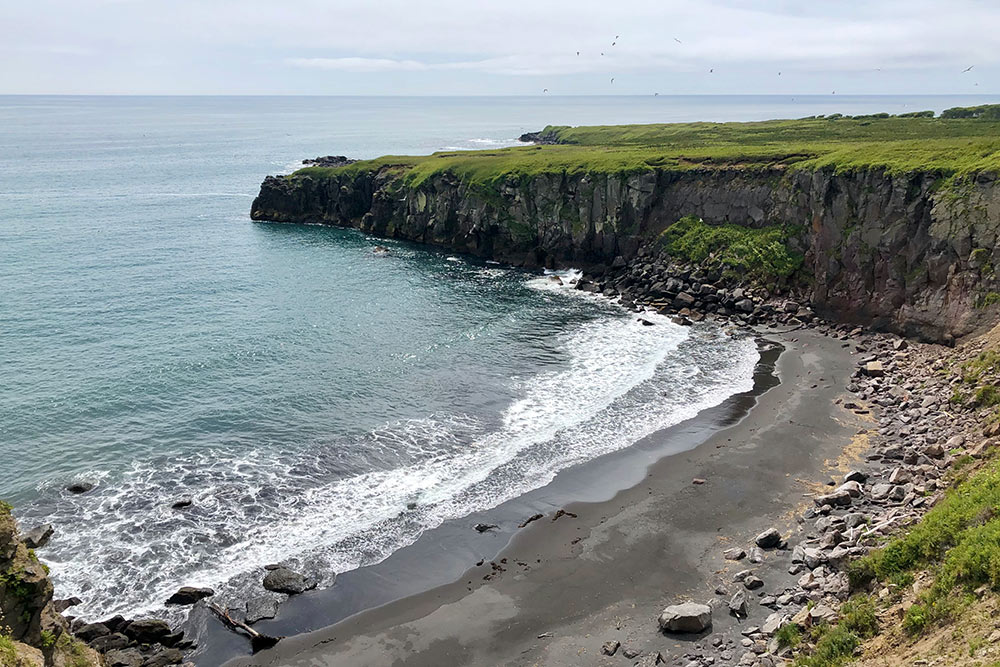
(606, 574)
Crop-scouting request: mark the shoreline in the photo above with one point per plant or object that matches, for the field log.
(530, 599)
(442, 556)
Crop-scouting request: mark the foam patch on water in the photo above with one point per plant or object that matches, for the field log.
(123, 549)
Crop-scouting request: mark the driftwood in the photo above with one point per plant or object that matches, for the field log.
(534, 517)
(258, 641)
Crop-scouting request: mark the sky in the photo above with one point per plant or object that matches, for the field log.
(499, 47)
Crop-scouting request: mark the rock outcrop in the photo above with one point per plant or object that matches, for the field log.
(897, 252)
(38, 633)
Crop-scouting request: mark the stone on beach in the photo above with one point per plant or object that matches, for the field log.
(735, 553)
(769, 539)
(688, 617)
(259, 608)
(611, 647)
(739, 604)
(283, 580)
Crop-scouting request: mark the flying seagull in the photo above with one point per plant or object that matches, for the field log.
(657, 94)
(678, 41)
(612, 79)
(545, 90)
(577, 53)
(967, 69)
(613, 43)
(710, 70)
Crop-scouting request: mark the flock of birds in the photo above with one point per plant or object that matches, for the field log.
(711, 70)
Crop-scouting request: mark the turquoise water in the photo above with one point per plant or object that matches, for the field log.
(314, 400)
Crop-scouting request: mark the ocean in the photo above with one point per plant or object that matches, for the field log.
(313, 400)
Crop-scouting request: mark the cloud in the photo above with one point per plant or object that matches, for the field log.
(320, 45)
(355, 64)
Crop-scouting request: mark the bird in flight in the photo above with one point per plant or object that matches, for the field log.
(613, 43)
(602, 53)
(612, 79)
(656, 94)
(779, 73)
(678, 41)
(545, 90)
(577, 53)
(967, 69)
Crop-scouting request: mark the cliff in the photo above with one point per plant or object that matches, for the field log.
(901, 248)
(32, 632)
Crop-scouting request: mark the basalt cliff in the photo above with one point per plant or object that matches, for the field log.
(912, 252)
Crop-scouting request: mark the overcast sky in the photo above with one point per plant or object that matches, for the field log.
(461, 47)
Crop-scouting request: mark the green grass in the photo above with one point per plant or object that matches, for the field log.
(788, 636)
(757, 254)
(8, 654)
(5, 508)
(959, 539)
(946, 147)
(835, 647)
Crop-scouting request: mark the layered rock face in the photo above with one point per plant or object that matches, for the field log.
(40, 635)
(899, 253)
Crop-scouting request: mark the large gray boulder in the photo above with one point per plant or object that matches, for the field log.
(686, 617)
(283, 580)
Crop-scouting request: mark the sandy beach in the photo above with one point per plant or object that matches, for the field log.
(563, 588)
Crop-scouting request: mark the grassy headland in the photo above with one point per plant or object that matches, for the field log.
(960, 141)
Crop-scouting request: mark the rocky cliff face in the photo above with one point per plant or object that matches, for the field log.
(32, 632)
(899, 253)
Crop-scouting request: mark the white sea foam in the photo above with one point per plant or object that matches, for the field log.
(621, 381)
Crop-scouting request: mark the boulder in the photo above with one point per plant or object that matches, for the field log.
(856, 476)
(839, 498)
(92, 631)
(874, 369)
(753, 583)
(283, 580)
(39, 536)
(261, 607)
(611, 647)
(110, 642)
(734, 554)
(739, 605)
(123, 658)
(164, 657)
(769, 539)
(62, 605)
(147, 630)
(189, 595)
(80, 487)
(687, 617)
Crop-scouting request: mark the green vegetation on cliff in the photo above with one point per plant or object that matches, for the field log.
(967, 141)
(959, 539)
(758, 254)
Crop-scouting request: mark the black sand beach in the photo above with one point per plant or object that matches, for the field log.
(566, 587)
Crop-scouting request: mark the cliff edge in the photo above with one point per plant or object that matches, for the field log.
(896, 218)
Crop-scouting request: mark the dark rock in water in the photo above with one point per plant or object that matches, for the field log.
(483, 527)
(62, 605)
(124, 658)
(329, 161)
(411, 506)
(769, 539)
(261, 607)
(644, 322)
(189, 595)
(183, 503)
(283, 580)
(147, 630)
(80, 487)
(116, 623)
(110, 642)
(92, 631)
(38, 536)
